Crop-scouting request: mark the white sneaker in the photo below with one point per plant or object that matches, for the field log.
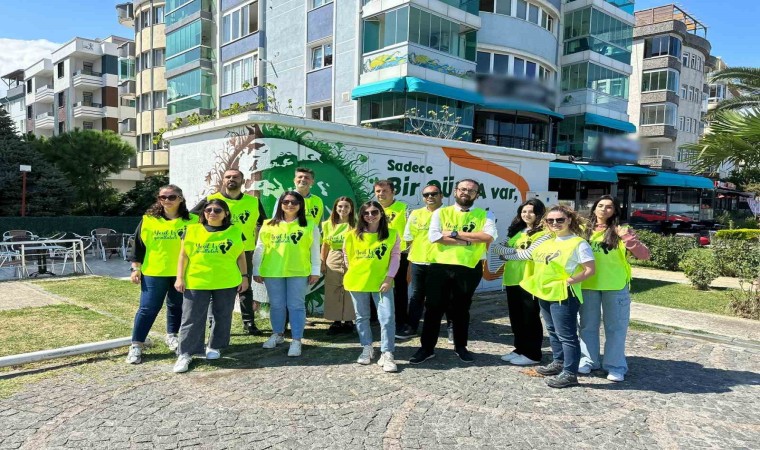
(273, 341)
(615, 376)
(367, 354)
(389, 365)
(135, 354)
(212, 353)
(510, 356)
(183, 363)
(522, 360)
(584, 370)
(172, 341)
(295, 348)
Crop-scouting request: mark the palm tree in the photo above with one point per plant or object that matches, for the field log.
(734, 138)
(744, 80)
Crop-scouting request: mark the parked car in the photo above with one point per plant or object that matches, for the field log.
(658, 215)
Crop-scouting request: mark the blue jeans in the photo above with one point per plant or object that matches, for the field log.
(287, 293)
(385, 315)
(561, 319)
(614, 307)
(153, 291)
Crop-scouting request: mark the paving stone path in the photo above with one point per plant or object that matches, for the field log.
(679, 393)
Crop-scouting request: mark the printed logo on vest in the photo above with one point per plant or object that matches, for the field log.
(181, 232)
(469, 227)
(548, 257)
(380, 251)
(392, 215)
(295, 237)
(314, 211)
(243, 218)
(599, 247)
(225, 246)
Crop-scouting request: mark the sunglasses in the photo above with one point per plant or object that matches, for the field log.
(371, 212)
(213, 210)
(430, 194)
(170, 198)
(559, 221)
(290, 202)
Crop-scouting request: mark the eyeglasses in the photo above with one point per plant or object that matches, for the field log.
(430, 194)
(467, 191)
(290, 202)
(213, 210)
(170, 198)
(559, 221)
(371, 212)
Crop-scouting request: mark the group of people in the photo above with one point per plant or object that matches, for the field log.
(572, 271)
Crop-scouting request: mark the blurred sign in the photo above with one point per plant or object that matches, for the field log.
(525, 90)
(725, 185)
(24, 168)
(617, 149)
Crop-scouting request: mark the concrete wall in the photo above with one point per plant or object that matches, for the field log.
(286, 44)
(522, 36)
(346, 55)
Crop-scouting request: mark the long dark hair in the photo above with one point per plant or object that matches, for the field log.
(279, 215)
(362, 226)
(518, 224)
(222, 204)
(611, 238)
(157, 209)
(335, 217)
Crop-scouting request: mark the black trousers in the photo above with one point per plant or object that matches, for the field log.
(419, 293)
(400, 293)
(449, 290)
(525, 319)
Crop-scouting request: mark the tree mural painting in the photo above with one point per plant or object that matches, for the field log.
(267, 155)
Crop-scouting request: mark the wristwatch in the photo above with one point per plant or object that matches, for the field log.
(454, 234)
(134, 269)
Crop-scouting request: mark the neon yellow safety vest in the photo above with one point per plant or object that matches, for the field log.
(334, 235)
(419, 225)
(516, 271)
(368, 261)
(212, 257)
(287, 249)
(549, 279)
(455, 220)
(244, 214)
(396, 213)
(163, 241)
(613, 272)
(314, 209)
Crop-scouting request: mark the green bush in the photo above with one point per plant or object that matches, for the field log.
(735, 257)
(744, 234)
(666, 251)
(700, 267)
(745, 301)
(737, 219)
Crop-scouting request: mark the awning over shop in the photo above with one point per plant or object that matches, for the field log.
(596, 119)
(634, 170)
(379, 87)
(670, 179)
(581, 172)
(441, 90)
(521, 106)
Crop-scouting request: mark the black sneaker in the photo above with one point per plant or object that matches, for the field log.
(553, 368)
(252, 329)
(421, 356)
(464, 354)
(335, 328)
(348, 327)
(564, 379)
(406, 332)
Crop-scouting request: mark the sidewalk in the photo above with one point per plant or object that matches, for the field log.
(679, 277)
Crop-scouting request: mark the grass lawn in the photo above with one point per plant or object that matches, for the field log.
(680, 296)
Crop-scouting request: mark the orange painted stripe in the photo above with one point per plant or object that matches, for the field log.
(470, 161)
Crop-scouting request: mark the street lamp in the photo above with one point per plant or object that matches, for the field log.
(23, 169)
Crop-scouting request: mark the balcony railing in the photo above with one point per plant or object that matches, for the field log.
(127, 89)
(44, 94)
(45, 115)
(87, 78)
(505, 140)
(125, 14)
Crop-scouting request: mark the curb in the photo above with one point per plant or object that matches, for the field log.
(704, 336)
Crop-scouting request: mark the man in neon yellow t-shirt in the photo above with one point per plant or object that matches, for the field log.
(396, 212)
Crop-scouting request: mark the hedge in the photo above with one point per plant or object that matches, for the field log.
(744, 234)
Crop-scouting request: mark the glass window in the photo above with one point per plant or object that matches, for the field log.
(184, 38)
(522, 9)
(159, 56)
(662, 114)
(227, 28)
(145, 19)
(533, 13)
(483, 62)
(146, 60)
(159, 99)
(235, 24)
(685, 61)
(519, 69)
(488, 5)
(240, 22)
(158, 14)
(318, 3)
(530, 69)
(501, 64)
(321, 56)
(503, 7)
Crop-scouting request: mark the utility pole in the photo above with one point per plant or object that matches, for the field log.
(23, 169)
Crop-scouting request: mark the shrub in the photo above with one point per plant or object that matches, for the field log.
(700, 267)
(744, 234)
(735, 257)
(666, 251)
(745, 301)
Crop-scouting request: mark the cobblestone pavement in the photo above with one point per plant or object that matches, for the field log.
(679, 393)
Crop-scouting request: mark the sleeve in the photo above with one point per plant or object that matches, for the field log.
(635, 246)
(434, 232)
(407, 231)
(258, 255)
(511, 254)
(584, 253)
(490, 227)
(395, 258)
(137, 252)
(276, 205)
(345, 255)
(198, 209)
(316, 253)
(262, 215)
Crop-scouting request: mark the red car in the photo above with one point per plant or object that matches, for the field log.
(658, 215)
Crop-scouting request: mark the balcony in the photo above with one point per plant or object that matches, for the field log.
(87, 79)
(125, 14)
(44, 94)
(88, 110)
(658, 161)
(128, 127)
(153, 161)
(127, 89)
(16, 92)
(127, 50)
(44, 121)
(658, 133)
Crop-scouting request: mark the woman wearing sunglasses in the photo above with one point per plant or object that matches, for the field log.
(287, 261)
(561, 261)
(158, 239)
(211, 270)
(338, 305)
(605, 294)
(372, 255)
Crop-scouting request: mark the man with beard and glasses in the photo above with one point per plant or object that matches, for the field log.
(460, 235)
(315, 208)
(248, 214)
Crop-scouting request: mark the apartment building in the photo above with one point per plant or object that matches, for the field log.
(669, 94)
(14, 101)
(142, 81)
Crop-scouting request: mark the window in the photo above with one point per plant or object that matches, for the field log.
(145, 56)
(159, 99)
(522, 9)
(503, 7)
(592, 76)
(659, 80)
(145, 102)
(29, 86)
(137, 22)
(238, 73)
(240, 22)
(691, 93)
(60, 69)
(681, 123)
(547, 21)
(500, 64)
(684, 89)
(519, 67)
(318, 3)
(61, 99)
(145, 19)
(29, 112)
(138, 63)
(685, 59)
(159, 57)
(87, 125)
(321, 56)
(483, 62)
(61, 127)
(158, 14)
(533, 13)
(693, 61)
(662, 114)
(662, 46)
(322, 113)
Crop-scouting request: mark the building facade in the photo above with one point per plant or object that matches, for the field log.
(14, 101)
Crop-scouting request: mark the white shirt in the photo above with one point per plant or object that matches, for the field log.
(582, 254)
(316, 260)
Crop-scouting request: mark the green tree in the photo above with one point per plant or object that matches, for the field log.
(48, 193)
(745, 81)
(139, 198)
(87, 158)
(734, 138)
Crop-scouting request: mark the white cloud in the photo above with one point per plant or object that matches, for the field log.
(20, 54)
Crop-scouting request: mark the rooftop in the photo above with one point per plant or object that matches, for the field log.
(668, 13)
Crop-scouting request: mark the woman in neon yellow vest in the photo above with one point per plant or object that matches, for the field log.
(605, 294)
(524, 312)
(373, 254)
(211, 270)
(561, 260)
(338, 305)
(287, 261)
(158, 239)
